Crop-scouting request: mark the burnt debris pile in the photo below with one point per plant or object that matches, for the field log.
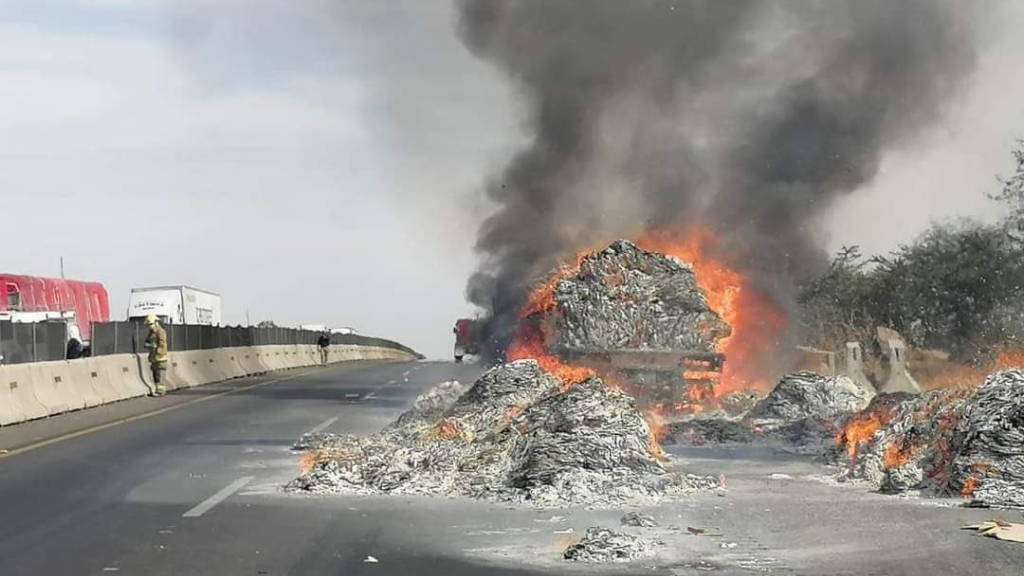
(804, 412)
(601, 545)
(955, 441)
(516, 436)
(624, 297)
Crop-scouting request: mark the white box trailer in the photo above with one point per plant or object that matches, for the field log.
(176, 305)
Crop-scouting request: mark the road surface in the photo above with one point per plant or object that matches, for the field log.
(190, 484)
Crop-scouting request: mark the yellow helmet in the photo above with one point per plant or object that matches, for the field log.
(150, 319)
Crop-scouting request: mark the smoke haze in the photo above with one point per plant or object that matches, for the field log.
(751, 118)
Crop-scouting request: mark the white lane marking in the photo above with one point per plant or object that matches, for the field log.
(352, 395)
(217, 498)
(323, 425)
(370, 396)
(391, 382)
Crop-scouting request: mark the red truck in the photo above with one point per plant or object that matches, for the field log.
(26, 295)
(467, 339)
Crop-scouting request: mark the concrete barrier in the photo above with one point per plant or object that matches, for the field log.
(55, 395)
(853, 365)
(101, 380)
(899, 379)
(229, 359)
(126, 374)
(183, 370)
(116, 377)
(76, 374)
(18, 395)
(210, 367)
(30, 391)
(248, 361)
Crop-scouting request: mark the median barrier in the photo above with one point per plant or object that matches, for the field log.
(54, 399)
(38, 390)
(125, 374)
(275, 358)
(76, 374)
(101, 380)
(17, 385)
(265, 356)
(229, 358)
(116, 377)
(211, 367)
(248, 361)
(289, 359)
(182, 370)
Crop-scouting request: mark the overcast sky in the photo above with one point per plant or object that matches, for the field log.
(321, 161)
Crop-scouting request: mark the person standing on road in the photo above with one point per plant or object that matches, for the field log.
(324, 342)
(156, 343)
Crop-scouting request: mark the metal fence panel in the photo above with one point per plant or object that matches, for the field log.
(51, 340)
(127, 337)
(32, 342)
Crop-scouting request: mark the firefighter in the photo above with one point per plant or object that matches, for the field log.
(156, 343)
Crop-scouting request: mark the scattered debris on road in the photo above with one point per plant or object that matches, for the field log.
(516, 436)
(370, 560)
(639, 520)
(601, 545)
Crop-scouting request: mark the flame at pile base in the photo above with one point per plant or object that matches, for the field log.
(967, 441)
(516, 437)
(802, 414)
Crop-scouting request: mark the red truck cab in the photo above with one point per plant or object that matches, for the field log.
(465, 338)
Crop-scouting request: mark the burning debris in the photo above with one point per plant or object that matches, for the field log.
(626, 298)
(803, 412)
(515, 436)
(955, 441)
(805, 395)
(601, 545)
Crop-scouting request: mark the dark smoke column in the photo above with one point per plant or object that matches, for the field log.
(748, 117)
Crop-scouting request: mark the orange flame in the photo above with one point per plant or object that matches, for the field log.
(897, 454)
(969, 487)
(449, 429)
(756, 319)
(659, 429)
(528, 343)
(965, 375)
(861, 429)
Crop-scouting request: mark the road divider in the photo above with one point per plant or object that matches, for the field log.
(42, 389)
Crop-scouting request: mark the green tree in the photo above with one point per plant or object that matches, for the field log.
(1012, 195)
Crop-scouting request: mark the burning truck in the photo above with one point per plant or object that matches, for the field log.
(638, 318)
(672, 325)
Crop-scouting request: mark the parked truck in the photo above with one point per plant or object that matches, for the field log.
(175, 305)
(467, 337)
(34, 299)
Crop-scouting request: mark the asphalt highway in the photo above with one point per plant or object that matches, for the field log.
(191, 484)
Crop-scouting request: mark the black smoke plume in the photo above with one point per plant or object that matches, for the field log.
(749, 117)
